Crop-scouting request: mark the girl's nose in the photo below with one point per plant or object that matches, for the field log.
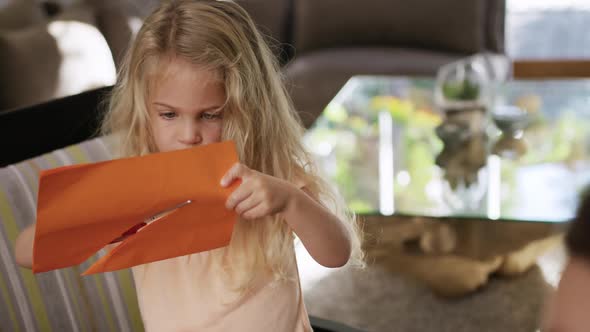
(190, 135)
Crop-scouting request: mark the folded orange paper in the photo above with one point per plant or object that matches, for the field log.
(82, 208)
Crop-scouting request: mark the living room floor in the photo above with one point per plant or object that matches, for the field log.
(375, 300)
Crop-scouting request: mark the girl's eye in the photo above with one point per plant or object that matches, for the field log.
(168, 115)
(211, 116)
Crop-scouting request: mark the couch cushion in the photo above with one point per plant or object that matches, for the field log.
(60, 300)
(118, 28)
(495, 25)
(314, 78)
(274, 21)
(19, 14)
(65, 56)
(139, 8)
(453, 25)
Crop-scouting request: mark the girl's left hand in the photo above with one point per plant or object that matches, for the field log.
(259, 195)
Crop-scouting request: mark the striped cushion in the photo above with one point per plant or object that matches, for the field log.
(58, 300)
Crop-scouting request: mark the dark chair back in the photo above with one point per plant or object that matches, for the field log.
(38, 129)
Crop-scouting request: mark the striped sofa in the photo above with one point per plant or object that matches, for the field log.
(59, 300)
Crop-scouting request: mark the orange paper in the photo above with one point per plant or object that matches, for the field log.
(82, 208)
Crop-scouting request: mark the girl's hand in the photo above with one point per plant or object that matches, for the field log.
(259, 195)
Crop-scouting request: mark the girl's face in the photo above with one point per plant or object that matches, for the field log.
(186, 107)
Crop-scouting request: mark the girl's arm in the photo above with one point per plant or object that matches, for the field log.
(324, 236)
(259, 195)
(23, 247)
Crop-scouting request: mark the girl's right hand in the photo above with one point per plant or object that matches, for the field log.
(259, 195)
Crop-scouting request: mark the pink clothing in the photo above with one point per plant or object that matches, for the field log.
(188, 293)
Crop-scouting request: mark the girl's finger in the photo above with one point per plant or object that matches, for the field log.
(247, 204)
(240, 194)
(237, 171)
(256, 212)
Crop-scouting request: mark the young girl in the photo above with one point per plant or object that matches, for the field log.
(199, 72)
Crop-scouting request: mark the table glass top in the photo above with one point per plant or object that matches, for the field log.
(389, 151)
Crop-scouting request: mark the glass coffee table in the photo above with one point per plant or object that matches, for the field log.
(432, 192)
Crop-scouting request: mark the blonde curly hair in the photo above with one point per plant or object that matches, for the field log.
(258, 116)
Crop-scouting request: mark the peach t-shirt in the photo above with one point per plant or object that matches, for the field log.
(189, 293)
